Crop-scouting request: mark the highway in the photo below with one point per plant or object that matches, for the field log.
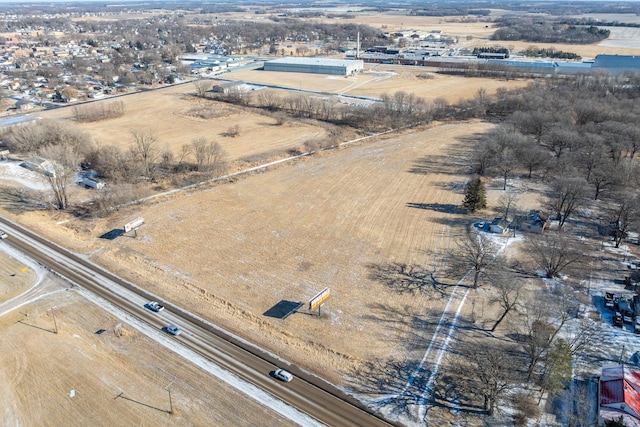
(307, 393)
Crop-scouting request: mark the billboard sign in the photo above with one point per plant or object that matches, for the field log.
(131, 225)
(319, 299)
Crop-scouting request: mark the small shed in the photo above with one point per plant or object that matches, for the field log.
(40, 165)
(227, 87)
(499, 226)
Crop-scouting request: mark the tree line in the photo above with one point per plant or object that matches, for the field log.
(544, 31)
(577, 138)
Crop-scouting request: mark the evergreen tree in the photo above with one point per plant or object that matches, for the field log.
(474, 196)
(558, 369)
(615, 423)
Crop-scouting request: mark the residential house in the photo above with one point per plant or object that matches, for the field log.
(533, 222)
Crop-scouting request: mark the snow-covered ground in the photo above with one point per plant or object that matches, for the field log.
(12, 171)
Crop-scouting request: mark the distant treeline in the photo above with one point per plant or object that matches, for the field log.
(585, 21)
(540, 31)
(549, 53)
(495, 49)
(450, 11)
(95, 112)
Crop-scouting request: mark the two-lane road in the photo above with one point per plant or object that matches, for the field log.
(307, 393)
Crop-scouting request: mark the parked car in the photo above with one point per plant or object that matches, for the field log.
(283, 375)
(155, 306)
(173, 330)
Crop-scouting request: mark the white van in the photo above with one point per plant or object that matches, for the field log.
(283, 375)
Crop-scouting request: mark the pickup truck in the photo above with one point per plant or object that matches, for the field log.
(3, 235)
(155, 306)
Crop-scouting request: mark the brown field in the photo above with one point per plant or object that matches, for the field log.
(175, 117)
(232, 251)
(16, 277)
(40, 370)
(384, 79)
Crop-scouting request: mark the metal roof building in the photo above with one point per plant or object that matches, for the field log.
(617, 64)
(619, 394)
(341, 67)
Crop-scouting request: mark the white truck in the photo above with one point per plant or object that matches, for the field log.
(90, 183)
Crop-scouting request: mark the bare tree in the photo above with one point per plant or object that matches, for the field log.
(146, 150)
(199, 150)
(507, 205)
(473, 253)
(185, 150)
(567, 194)
(604, 176)
(216, 157)
(487, 369)
(532, 157)
(560, 140)
(535, 123)
(624, 215)
(202, 86)
(554, 253)
(508, 290)
(581, 336)
(505, 164)
(64, 162)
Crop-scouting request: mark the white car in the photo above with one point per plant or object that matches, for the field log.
(155, 306)
(173, 330)
(3, 235)
(283, 375)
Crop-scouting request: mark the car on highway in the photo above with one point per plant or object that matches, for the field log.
(283, 375)
(173, 330)
(155, 306)
(3, 235)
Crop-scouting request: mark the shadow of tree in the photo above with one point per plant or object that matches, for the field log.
(399, 386)
(401, 278)
(438, 207)
(19, 200)
(455, 162)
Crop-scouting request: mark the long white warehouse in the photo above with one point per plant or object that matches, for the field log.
(341, 67)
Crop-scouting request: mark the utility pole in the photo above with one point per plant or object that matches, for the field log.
(170, 401)
(55, 324)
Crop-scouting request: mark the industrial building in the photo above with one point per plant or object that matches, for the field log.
(341, 67)
(617, 64)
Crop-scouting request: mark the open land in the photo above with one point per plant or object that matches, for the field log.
(176, 117)
(74, 376)
(363, 220)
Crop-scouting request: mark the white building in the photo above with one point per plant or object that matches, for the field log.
(341, 67)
